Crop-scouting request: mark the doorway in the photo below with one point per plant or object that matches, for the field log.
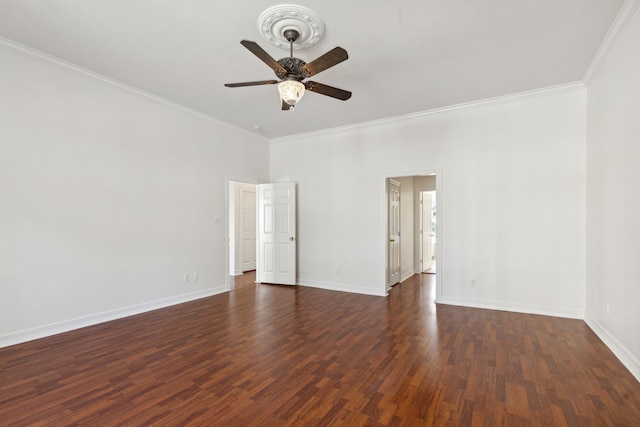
(419, 234)
(261, 227)
(242, 227)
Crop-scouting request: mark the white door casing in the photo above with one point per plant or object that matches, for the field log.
(276, 257)
(426, 246)
(393, 193)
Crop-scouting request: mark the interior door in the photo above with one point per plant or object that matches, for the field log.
(277, 243)
(248, 227)
(393, 190)
(425, 231)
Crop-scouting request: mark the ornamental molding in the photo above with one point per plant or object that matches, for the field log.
(274, 21)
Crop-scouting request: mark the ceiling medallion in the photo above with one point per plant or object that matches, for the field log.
(273, 22)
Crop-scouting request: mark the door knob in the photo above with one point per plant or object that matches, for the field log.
(392, 240)
(291, 239)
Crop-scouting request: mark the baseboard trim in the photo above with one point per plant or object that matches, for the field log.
(339, 287)
(517, 308)
(619, 350)
(94, 319)
(406, 275)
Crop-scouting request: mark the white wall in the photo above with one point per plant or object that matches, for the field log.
(613, 201)
(425, 183)
(511, 205)
(107, 198)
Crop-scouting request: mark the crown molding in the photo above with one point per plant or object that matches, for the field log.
(621, 20)
(534, 93)
(45, 58)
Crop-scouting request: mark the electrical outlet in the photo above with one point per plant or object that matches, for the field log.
(195, 276)
(608, 311)
(473, 283)
(186, 278)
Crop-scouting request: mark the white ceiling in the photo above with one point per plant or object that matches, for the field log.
(404, 56)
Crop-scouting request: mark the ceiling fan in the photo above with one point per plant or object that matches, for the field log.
(292, 71)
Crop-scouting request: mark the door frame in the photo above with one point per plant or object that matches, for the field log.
(440, 281)
(227, 221)
(418, 193)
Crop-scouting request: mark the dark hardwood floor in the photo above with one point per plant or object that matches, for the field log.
(266, 355)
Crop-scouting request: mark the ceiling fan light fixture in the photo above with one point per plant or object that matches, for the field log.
(291, 91)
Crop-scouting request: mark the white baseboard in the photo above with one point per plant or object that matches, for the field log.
(340, 287)
(93, 319)
(619, 350)
(570, 313)
(406, 275)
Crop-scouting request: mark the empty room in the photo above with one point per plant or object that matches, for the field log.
(324, 213)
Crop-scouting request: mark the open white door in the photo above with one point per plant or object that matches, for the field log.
(276, 260)
(393, 191)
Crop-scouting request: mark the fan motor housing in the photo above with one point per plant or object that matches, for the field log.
(293, 67)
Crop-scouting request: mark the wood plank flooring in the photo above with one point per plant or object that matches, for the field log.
(266, 355)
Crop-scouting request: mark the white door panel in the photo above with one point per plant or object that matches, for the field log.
(248, 228)
(276, 233)
(393, 190)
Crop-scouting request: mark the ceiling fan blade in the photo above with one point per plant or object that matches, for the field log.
(286, 107)
(260, 82)
(331, 91)
(264, 56)
(328, 60)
